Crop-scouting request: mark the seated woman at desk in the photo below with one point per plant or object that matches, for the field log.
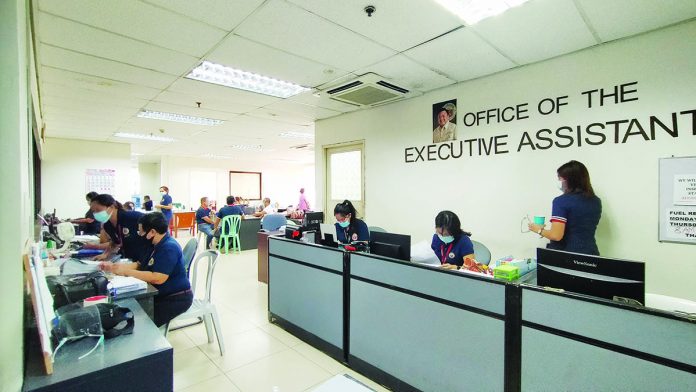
(348, 226)
(88, 225)
(121, 227)
(450, 243)
(163, 268)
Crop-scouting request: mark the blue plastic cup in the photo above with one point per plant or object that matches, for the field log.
(539, 220)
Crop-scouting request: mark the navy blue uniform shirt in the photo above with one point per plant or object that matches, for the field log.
(126, 235)
(454, 252)
(148, 205)
(91, 228)
(167, 258)
(581, 216)
(357, 231)
(166, 201)
(202, 213)
(229, 210)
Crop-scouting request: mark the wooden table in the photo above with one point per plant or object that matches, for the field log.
(262, 237)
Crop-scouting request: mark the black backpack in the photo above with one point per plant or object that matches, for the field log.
(68, 289)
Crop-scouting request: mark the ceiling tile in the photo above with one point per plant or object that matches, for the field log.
(141, 21)
(282, 116)
(217, 92)
(537, 30)
(93, 83)
(621, 18)
(89, 96)
(397, 24)
(189, 110)
(308, 111)
(85, 105)
(323, 101)
(82, 63)
(240, 53)
(405, 72)
(206, 102)
(224, 14)
(84, 39)
(294, 30)
(461, 55)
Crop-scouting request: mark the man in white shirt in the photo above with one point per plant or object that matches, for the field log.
(267, 208)
(445, 130)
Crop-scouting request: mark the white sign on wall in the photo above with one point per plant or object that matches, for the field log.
(685, 190)
(100, 180)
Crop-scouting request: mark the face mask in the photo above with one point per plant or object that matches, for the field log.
(102, 216)
(149, 239)
(344, 224)
(560, 185)
(163, 193)
(445, 238)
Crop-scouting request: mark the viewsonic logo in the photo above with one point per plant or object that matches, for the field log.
(585, 263)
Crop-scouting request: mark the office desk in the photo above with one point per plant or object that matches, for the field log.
(146, 297)
(262, 254)
(247, 232)
(141, 361)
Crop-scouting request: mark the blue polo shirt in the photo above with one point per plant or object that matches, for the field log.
(357, 231)
(229, 210)
(454, 252)
(126, 235)
(91, 228)
(167, 258)
(166, 201)
(202, 213)
(147, 205)
(581, 216)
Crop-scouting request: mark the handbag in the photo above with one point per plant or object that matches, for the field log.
(68, 289)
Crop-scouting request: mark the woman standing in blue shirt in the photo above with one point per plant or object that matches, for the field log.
(348, 227)
(575, 214)
(450, 243)
(164, 269)
(121, 227)
(165, 204)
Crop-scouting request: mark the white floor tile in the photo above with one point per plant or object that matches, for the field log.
(243, 348)
(281, 334)
(324, 361)
(179, 340)
(191, 367)
(216, 384)
(287, 371)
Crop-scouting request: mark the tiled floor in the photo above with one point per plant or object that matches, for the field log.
(258, 356)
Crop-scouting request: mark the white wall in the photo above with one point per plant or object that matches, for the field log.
(16, 191)
(63, 173)
(280, 182)
(492, 193)
(149, 179)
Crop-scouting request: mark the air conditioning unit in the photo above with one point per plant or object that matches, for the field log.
(367, 91)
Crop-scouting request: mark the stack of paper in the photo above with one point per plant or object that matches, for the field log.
(122, 284)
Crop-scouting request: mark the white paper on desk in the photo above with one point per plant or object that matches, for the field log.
(126, 283)
(85, 238)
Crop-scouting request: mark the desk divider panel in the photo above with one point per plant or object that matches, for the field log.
(306, 290)
(572, 343)
(420, 329)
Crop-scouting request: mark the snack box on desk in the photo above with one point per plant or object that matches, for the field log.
(507, 272)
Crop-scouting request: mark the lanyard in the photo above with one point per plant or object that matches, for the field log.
(442, 252)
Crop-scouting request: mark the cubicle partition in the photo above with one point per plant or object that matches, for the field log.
(573, 342)
(306, 292)
(414, 327)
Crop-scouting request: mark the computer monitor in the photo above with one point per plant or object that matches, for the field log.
(591, 275)
(397, 246)
(312, 220)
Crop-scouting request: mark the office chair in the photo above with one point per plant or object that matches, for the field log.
(273, 222)
(481, 252)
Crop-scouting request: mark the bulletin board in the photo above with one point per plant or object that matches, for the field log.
(677, 200)
(246, 185)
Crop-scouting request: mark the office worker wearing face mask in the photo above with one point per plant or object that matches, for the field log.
(163, 268)
(450, 243)
(575, 214)
(348, 227)
(121, 227)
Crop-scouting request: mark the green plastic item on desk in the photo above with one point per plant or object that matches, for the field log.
(506, 272)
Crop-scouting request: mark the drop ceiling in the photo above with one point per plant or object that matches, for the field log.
(103, 61)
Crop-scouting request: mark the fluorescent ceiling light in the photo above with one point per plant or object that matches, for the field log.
(230, 77)
(246, 147)
(213, 156)
(140, 136)
(182, 118)
(136, 154)
(474, 11)
(296, 135)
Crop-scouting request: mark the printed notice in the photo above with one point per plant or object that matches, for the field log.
(685, 190)
(681, 223)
